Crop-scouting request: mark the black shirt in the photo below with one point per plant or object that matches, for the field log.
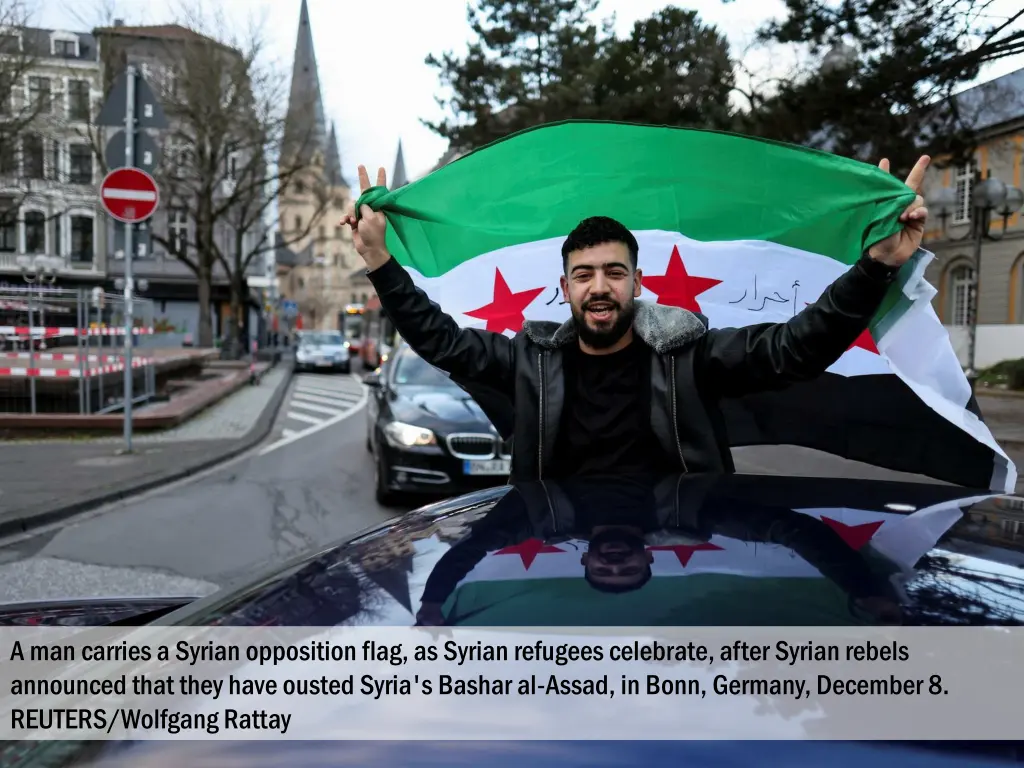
(605, 427)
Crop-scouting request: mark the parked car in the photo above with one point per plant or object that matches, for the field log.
(427, 435)
(322, 351)
(822, 548)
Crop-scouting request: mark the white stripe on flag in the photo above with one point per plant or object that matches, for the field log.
(129, 194)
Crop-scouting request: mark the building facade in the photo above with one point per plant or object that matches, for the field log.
(316, 255)
(166, 262)
(50, 85)
(997, 112)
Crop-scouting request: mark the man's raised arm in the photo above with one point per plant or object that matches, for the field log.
(739, 361)
(474, 355)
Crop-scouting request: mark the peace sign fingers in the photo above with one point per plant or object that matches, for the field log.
(364, 178)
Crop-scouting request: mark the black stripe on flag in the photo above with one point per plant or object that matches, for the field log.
(875, 419)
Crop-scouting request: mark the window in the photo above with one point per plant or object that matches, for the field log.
(65, 48)
(8, 226)
(961, 283)
(300, 188)
(78, 100)
(55, 161)
(178, 229)
(323, 233)
(10, 44)
(32, 157)
(232, 166)
(39, 94)
(81, 239)
(58, 243)
(964, 185)
(298, 223)
(35, 232)
(8, 159)
(81, 163)
(338, 235)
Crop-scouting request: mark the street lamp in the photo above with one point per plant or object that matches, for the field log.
(988, 196)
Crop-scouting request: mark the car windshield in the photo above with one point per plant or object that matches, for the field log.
(412, 370)
(322, 339)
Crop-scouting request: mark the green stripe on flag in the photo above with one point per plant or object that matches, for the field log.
(672, 601)
(706, 185)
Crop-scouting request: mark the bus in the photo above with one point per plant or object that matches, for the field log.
(380, 337)
(351, 324)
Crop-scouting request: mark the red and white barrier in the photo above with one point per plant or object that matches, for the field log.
(58, 356)
(72, 373)
(24, 330)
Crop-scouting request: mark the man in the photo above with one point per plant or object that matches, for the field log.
(625, 386)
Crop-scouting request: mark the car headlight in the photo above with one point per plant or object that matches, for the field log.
(302, 356)
(408, 436)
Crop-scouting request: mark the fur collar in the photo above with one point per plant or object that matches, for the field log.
(660, 327)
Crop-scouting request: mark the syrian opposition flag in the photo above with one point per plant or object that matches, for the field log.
(741, 230)
(723, 581)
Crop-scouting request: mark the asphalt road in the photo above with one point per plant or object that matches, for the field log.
(310, 484)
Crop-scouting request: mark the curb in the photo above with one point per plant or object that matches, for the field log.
(255, 436)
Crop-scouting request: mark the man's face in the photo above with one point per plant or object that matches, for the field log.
(617, 558)
(600, 286)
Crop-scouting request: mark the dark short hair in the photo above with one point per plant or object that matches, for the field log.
(598, 230)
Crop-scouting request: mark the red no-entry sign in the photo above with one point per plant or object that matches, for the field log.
(129, 195)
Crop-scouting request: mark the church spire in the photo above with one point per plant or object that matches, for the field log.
(305, 127)
(398, 177)
(333, 161)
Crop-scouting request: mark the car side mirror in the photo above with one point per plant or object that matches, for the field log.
(372, 380)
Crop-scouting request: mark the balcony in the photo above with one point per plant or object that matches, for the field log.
(169, 269)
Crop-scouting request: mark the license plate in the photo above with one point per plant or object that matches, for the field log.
(325, 363)
(491, 467)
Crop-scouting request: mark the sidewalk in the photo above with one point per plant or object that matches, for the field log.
(45, 481)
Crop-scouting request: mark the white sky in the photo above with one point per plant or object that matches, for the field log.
(370, 55)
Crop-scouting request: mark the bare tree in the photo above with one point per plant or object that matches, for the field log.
(221, 168)
(22, 118)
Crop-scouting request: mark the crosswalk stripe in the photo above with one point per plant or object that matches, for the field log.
(303, 397)
(315, 408)
(328, 392)
(303, 417)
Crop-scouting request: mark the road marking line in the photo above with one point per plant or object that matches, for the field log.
(314, 408)
(324, 425)
(302, 397)
(288, 432)
(303, 417)
(326, 392)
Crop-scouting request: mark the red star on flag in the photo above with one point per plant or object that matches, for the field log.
(685, 551)
(529, 550)
(505, 312)
(865, 341)
(676, 287)
(854, 535)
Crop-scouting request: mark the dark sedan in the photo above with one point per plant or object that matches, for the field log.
(723, 551)
(427, 435)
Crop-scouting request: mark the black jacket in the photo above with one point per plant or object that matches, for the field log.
(519, 381)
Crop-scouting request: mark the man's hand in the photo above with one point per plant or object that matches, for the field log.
(897, 249)
(368, 232)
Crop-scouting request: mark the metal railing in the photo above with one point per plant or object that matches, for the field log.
(62, 350)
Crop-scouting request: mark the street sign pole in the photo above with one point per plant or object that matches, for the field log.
(129, 339)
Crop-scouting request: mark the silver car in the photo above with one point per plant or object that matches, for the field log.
(322, 350)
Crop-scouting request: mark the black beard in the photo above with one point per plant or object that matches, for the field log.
(606, 338)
